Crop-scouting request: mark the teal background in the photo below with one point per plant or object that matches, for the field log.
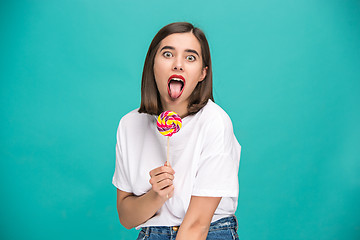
(287, 73)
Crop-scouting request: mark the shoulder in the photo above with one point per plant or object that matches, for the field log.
(134, 119)
(213, 115)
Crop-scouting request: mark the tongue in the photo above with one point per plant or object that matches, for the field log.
(175, 89)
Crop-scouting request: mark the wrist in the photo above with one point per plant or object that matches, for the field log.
(195, 231)
(157, 198)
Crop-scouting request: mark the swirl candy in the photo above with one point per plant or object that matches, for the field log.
(168, 123)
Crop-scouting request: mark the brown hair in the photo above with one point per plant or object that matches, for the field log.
(150, 96)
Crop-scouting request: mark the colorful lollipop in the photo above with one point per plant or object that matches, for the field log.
(168, 123)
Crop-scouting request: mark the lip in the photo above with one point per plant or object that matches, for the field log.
(176, 76)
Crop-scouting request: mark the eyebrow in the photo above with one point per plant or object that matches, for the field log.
(186, 50)
(167, 47)
(192, 51)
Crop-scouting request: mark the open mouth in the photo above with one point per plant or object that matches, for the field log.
(176, 84)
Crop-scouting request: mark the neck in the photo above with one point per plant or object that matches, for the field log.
(180, 108)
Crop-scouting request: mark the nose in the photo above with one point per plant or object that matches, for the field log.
(178, 65)
(176, 68)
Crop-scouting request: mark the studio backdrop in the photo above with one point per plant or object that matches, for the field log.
(286, 72)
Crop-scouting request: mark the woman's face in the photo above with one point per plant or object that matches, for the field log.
(178, 67)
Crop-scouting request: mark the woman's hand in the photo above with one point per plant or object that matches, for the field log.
(162, 181)
(135, 210)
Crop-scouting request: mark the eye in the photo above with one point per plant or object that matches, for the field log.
(167, 54)
(191, 58)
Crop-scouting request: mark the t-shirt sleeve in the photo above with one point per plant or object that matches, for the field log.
(217, 172)
(121, 179)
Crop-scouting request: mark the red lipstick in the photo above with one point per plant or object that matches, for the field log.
(176, 85)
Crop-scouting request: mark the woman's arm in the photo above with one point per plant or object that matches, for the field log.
(198, 218)
(135, 210)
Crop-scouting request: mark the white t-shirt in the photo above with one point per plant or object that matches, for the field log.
(204, 154)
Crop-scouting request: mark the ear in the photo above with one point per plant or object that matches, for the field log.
(203, 74)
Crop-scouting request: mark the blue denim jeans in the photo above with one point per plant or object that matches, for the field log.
(224, 228)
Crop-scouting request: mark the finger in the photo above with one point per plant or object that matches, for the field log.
(163, 184)
(168, 169)
(160, 170)
(157, 187)
(161, 177)
(167, 192)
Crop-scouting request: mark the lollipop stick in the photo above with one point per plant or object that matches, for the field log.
(167, 155)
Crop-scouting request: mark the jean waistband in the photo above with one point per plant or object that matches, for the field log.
(223, 223)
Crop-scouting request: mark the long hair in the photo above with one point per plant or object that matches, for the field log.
(150, 96)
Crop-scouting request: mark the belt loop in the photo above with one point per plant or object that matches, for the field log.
(147, 231)
(236, 223)
(171, 232)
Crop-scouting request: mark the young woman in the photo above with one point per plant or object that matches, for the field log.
(195, 197)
